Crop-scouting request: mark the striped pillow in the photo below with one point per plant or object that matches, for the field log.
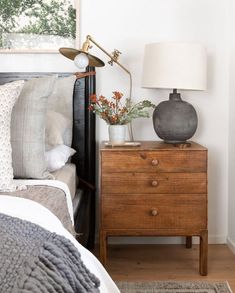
(28, 129)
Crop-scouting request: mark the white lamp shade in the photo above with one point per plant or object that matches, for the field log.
(175, 66)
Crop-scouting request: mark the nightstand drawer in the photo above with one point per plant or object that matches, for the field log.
(154, 161)
(127, 183)
(155, 212)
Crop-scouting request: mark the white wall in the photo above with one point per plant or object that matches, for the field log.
(128, 26)
(231, 181)
(35, 63)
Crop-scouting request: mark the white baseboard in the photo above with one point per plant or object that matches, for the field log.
(217, 239)
(212, 239)
(231, 245)
(146, 240)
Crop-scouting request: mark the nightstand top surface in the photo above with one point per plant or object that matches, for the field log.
(155, 145)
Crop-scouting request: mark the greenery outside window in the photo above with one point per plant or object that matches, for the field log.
(38, 25)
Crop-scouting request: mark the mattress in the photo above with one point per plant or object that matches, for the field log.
(67, 174)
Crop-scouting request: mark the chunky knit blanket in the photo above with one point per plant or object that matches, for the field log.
(34, 260)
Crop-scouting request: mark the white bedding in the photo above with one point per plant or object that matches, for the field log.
(36, 213)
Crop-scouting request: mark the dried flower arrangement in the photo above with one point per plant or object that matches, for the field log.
(115, 112)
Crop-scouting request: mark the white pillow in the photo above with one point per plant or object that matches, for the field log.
(56, 126)
(61, 101)
(9, 93)
(58, 156)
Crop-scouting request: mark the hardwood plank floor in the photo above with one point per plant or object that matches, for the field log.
(164, 262)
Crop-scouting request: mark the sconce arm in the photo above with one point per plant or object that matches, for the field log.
(113, 59)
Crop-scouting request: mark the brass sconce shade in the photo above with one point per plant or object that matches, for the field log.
(72, 53)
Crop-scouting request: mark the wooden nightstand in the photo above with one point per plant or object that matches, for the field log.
(155, 189)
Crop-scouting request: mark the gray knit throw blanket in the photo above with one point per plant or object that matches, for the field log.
(34, 260)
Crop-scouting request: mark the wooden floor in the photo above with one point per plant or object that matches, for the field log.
(164, 262)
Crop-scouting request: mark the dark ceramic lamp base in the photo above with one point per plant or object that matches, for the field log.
(175, 121)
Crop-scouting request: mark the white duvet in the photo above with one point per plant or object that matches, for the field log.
(34, 212)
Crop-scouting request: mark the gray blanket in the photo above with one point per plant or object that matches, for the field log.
(35, 260)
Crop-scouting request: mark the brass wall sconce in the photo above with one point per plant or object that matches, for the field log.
(82, 58)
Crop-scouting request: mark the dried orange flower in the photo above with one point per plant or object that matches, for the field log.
(116, 112)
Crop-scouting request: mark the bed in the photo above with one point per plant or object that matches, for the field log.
(76, 178)
(83, 141)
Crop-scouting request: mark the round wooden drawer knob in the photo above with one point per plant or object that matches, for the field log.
(154, 162)
(154, 212)
(154, 183)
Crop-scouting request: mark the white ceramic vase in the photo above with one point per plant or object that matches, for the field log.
(117, 134)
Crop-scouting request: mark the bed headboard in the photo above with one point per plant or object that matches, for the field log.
(83, 120)
(83, 139)
(84, 129)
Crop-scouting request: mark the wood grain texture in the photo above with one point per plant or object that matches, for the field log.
(169, 262)
(154, 183)
(156, 189)
(156, 146)
(143, 161)
(136, 212)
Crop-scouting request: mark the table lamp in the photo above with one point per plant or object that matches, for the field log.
(175, 66)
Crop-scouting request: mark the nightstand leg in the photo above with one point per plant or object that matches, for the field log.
(203, 252)
(188, 242)
(103, 247)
